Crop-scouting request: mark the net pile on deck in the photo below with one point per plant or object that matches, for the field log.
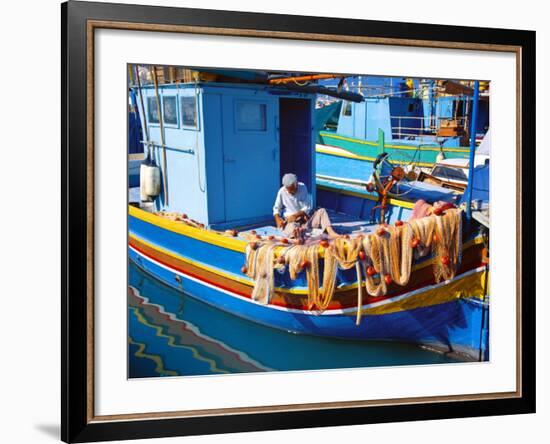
(380, 259)
(174, 216)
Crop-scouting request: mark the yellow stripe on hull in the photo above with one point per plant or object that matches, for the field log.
(349, 155)
(394, 202)
(396, 147)
(204, 235)
(249, 282)
(472, 286)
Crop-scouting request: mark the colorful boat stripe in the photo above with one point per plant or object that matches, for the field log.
(345, 153)
(204, 235)
(395, 147)
(391, 201)
(422, 297)
(177, 261)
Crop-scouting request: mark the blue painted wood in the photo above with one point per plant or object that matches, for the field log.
(456, 324)
(363, 120)
(227, 167)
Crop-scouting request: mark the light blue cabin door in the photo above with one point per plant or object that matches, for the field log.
(250, 156)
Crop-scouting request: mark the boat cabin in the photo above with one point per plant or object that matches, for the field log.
(412, 120)
(390, 114)
(222, 148)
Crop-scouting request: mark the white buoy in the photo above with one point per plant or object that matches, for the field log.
(149, 182)
(440, 157)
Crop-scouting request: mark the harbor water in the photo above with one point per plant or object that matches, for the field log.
(173, 334)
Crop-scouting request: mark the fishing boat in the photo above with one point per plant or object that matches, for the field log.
(203, 224)
(417, 130)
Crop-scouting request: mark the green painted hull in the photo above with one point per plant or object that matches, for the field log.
(423, 155)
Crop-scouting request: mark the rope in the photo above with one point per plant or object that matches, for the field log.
(390, 253)
(260, 267)
(359, 292)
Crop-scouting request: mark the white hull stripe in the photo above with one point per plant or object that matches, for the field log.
(335, 150)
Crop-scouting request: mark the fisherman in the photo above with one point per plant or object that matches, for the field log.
(294, 203)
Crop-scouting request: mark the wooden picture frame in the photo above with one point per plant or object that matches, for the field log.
(79, 22)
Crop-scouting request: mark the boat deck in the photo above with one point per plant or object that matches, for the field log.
(342, 223)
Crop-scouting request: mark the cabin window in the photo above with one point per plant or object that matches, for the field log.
(169, 110)
(152, 110)
(189, 111)
(251, 116)
(347, 109)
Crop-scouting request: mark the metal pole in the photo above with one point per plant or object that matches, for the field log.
(161, 123)
(142, 111)
(381, 141)
(473, 132)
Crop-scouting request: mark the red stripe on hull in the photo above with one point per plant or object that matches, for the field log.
(335, 305)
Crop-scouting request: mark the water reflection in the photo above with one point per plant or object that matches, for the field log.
(173, 334)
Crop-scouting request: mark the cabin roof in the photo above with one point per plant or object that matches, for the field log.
(271, 89)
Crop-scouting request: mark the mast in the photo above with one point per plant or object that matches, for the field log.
(161, 124)
(473, 132)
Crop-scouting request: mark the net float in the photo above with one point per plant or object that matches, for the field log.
(253, 232)
(380, 232)
(244, 270)
(435, 238)
(438, 211)
(304, 264)
(362, 255)
(370, 187)
(284, 240)
(398, 223)
(371, 271)
(253, 245)
(324, 243)
(184, 216)
(387, 279)
(258, 237)
(281, 260)
(445, 260)
(271, 237)
(414, 242)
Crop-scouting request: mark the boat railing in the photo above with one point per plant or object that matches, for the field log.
(406, 127)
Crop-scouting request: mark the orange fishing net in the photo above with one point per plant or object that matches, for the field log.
(388, 257)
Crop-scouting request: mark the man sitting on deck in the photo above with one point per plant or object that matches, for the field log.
(294, 203)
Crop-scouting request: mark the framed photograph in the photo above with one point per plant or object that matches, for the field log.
(276, 221)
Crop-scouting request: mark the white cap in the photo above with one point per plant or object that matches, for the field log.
(289, 179)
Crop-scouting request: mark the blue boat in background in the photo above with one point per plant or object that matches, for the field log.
(417, 122)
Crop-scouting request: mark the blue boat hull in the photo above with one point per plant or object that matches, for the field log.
(460, 326)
